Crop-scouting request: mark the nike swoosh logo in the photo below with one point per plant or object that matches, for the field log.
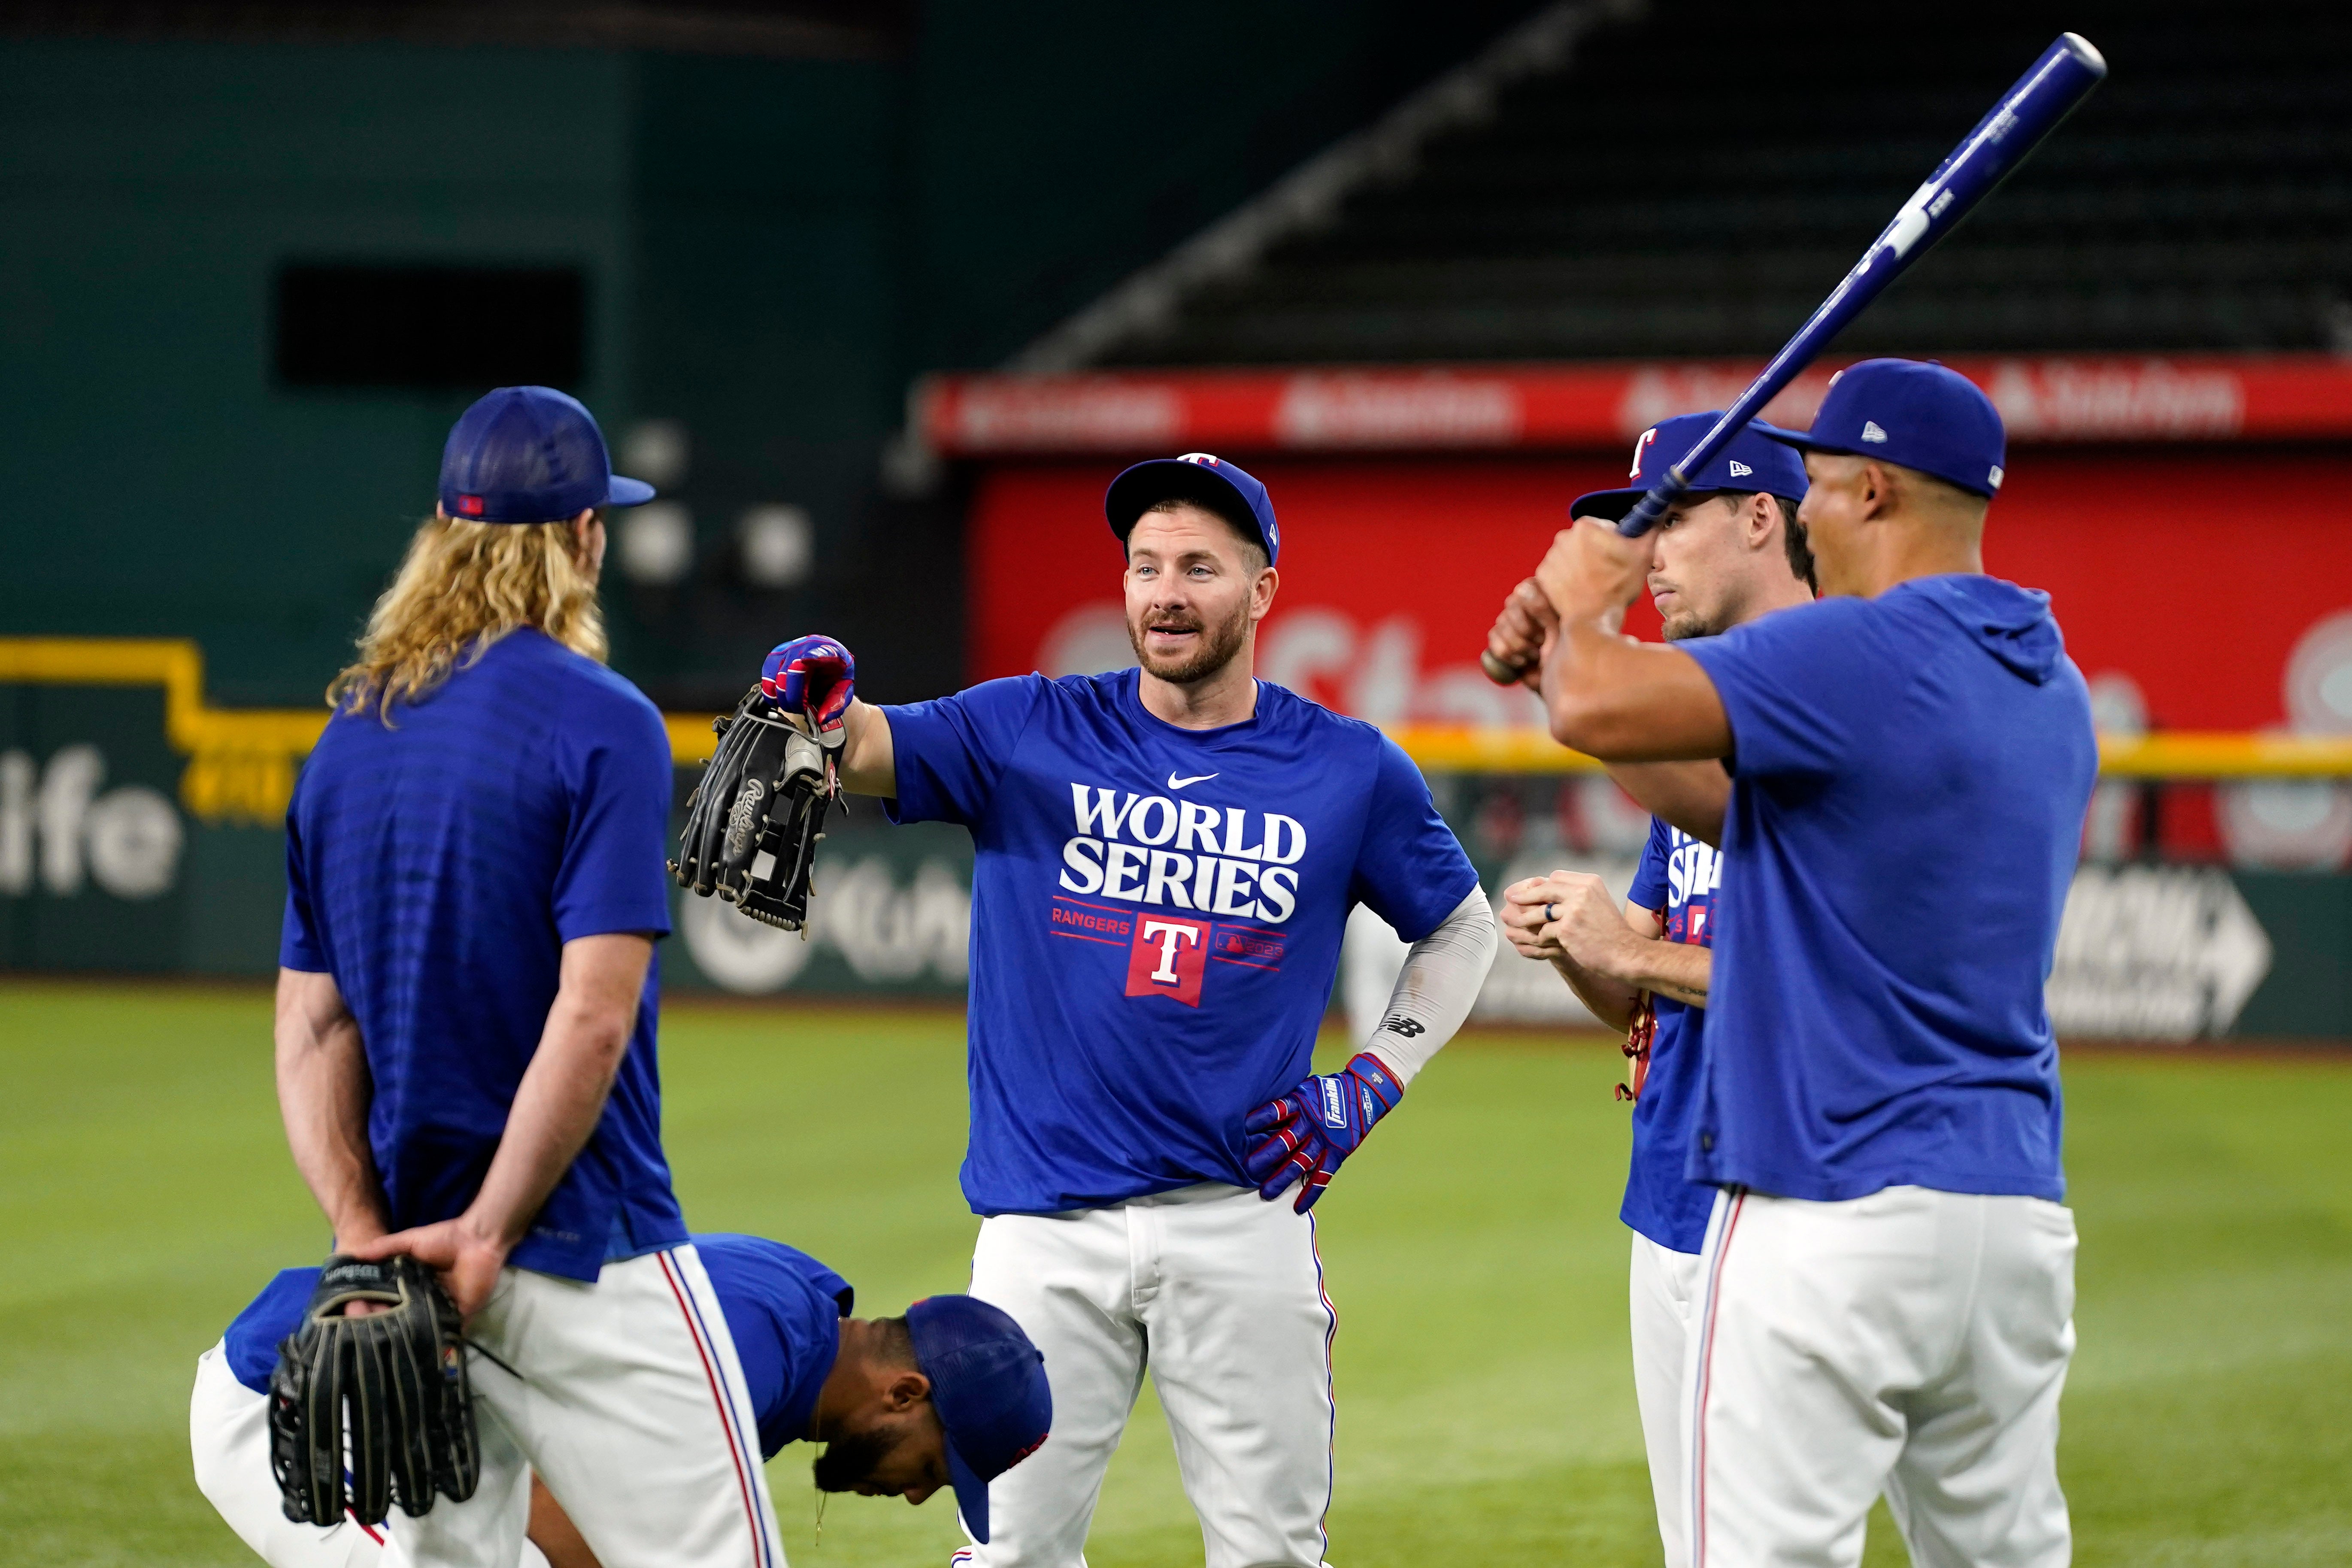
(1175, 783)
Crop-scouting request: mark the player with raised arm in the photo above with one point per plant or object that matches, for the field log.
(950, 1391)
(1729, 551)
(1886, 1295)
(467, 1005)
(1166, 858)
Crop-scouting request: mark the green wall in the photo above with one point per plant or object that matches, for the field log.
(774, 248)
(157, 482)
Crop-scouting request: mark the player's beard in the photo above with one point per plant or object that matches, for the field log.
(854, 1456)
(1218, 643)
(1689, 623)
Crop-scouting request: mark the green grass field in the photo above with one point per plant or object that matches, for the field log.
(1486, 1410)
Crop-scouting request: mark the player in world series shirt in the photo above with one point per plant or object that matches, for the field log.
(1727, 553)
(1166, 857)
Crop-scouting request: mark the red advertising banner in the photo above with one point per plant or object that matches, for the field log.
(2199, 590)
(1587, 407)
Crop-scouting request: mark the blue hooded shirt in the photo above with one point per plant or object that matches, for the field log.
(1909, 777)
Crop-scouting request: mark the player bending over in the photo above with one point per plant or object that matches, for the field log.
(1729, 551)
(1887, 1291)
(1166, 858)
(467, 1002)
(953, 1392)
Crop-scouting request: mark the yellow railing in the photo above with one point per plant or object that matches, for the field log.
(2180, 754)
(242, 760)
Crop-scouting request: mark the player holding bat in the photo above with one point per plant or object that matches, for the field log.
(1731, 550)
(1887, 1281)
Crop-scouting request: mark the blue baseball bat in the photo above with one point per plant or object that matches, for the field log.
(2028, 111)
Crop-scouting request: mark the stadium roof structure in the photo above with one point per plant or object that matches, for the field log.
(1641, 179)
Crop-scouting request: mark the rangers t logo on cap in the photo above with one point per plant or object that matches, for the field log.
(1647, 437)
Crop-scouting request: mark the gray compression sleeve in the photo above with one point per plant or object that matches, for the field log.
(1442, 972)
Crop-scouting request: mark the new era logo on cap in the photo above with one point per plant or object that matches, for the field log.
(1915, 414)
(1749, 459)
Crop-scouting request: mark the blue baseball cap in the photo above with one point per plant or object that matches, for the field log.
(1916, 413)
(530, 454)
(1207, 481)
(1751, 461)
(988, 1383)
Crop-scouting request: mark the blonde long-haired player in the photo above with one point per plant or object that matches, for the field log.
(465, 1014)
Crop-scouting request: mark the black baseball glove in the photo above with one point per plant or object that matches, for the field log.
(392, 1386)
(753, 822)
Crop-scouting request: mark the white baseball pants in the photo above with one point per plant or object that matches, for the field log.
(228, 1435)
(1220, 1296)
(1912, 1342)
(627, 1398)
(1665, 1293)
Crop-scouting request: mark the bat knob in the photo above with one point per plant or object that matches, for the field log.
(1498, 672)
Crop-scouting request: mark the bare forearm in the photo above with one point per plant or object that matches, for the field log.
(1676, 969)
(868, 762)
(1692, 796)
(1629, 702)
(564, 1089)
(323, 1093)
(1607, 998)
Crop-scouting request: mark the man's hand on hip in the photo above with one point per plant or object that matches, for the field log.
(1304, 1135)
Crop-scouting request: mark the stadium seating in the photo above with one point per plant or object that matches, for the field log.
(1692, 182)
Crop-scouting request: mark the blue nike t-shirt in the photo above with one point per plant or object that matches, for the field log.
(1908, 784)
(435, 868)
(784, 1310)
(1678, 876)
(1155, 918)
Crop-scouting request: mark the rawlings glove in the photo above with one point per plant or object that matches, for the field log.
(754, 821)
(1304, 1136)
(386, 1393)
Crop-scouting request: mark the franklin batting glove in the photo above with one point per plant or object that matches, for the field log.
(812, 676)
(1304, 1136)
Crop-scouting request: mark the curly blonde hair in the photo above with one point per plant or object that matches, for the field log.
(462, 586)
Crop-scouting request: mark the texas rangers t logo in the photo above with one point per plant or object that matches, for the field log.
(1167, 959)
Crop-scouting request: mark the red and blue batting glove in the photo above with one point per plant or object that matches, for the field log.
(1304, 1136)
(814, 676)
